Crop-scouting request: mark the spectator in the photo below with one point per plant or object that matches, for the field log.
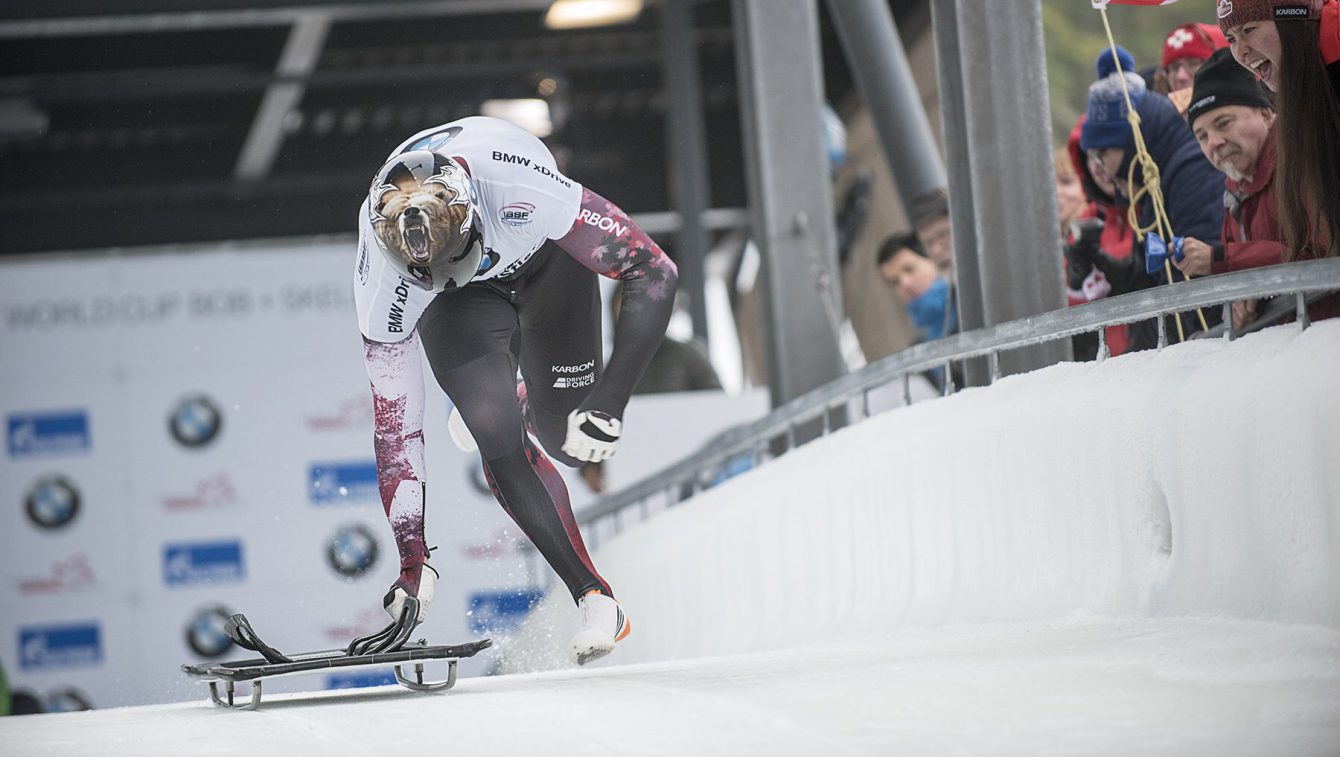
(1233, 121)
(1294, 49)
(1191, 186)
(1070, 199)
(1185, 50)
(923, 290)
(930, 218)
(1085, 282)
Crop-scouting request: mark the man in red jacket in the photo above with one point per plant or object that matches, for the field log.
(1234, 124)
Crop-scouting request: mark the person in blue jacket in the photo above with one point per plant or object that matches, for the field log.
(1192, 186)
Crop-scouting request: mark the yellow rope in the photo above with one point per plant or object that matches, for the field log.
(1149, 171)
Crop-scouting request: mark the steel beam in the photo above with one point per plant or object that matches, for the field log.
(997, 125)
(876, 56)
(777, 53)
(301, 53)
(686, 135)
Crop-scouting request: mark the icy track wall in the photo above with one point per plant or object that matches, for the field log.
(1201, 480)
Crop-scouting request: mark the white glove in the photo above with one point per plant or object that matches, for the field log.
(394, 601)
(592, 435)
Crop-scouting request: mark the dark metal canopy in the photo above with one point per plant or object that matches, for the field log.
(167, 121)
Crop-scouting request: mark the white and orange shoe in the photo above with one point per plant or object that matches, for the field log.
(604, 623)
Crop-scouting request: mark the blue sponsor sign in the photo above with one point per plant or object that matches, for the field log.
(205, 562)
(54, 433)
(342, 483)
(499, 612)
(75, 645)
(361, 680)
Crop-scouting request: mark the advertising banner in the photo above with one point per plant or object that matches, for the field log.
(189, 435)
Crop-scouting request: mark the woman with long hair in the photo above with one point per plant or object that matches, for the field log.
(1293, 47)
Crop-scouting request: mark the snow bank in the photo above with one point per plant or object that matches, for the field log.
(1202, 480)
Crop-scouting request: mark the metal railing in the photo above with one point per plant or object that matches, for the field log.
(797, 421)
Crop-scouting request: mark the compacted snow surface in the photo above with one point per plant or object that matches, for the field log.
(1137, 557)
(1174, 687)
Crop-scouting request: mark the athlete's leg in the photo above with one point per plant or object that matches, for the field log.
(467, 336)
(560, 346)
(559, 306)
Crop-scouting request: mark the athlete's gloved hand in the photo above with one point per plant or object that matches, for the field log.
(416, 580)
(592, 435)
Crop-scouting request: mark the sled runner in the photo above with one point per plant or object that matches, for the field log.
(385, 647)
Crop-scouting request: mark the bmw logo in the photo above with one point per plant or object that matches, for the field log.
(352, 550)
(204, 632)
(52, 502)
(195, 421)
(68, 700)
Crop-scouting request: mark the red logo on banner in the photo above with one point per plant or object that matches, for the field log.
(72, 574)
(213, 492)
(353, 414)
(503, 544)
(367, 622)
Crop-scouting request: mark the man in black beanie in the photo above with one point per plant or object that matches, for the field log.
(1233, 121)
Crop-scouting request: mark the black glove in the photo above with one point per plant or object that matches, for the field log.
(1124, 275)
(1085, 232)
(1081, 245)
(1076, 270)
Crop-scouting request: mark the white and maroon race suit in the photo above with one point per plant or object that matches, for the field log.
(534, 307)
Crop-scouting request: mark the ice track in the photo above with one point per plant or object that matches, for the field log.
(1138, 557)
(1171, 687)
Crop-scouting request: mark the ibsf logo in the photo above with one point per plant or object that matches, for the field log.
(52, 502)
(204, 632)
(211, 562)
(352, 550)
(77, 645)
(195, 421)
(342, 483)
(48, 434)
(516, 214)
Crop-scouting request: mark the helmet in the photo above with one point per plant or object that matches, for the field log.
(426, 219)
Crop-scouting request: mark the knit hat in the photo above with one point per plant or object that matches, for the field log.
(1105, 122)
(1192, 41)
(1237, 12)
(1221, 81)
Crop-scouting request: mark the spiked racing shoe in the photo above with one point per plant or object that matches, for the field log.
(604, 623)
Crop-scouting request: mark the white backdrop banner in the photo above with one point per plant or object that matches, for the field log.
(189, 435)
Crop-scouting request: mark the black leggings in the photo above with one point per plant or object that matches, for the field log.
(546, 320)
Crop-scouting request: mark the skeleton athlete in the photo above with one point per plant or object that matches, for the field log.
(473, 244)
